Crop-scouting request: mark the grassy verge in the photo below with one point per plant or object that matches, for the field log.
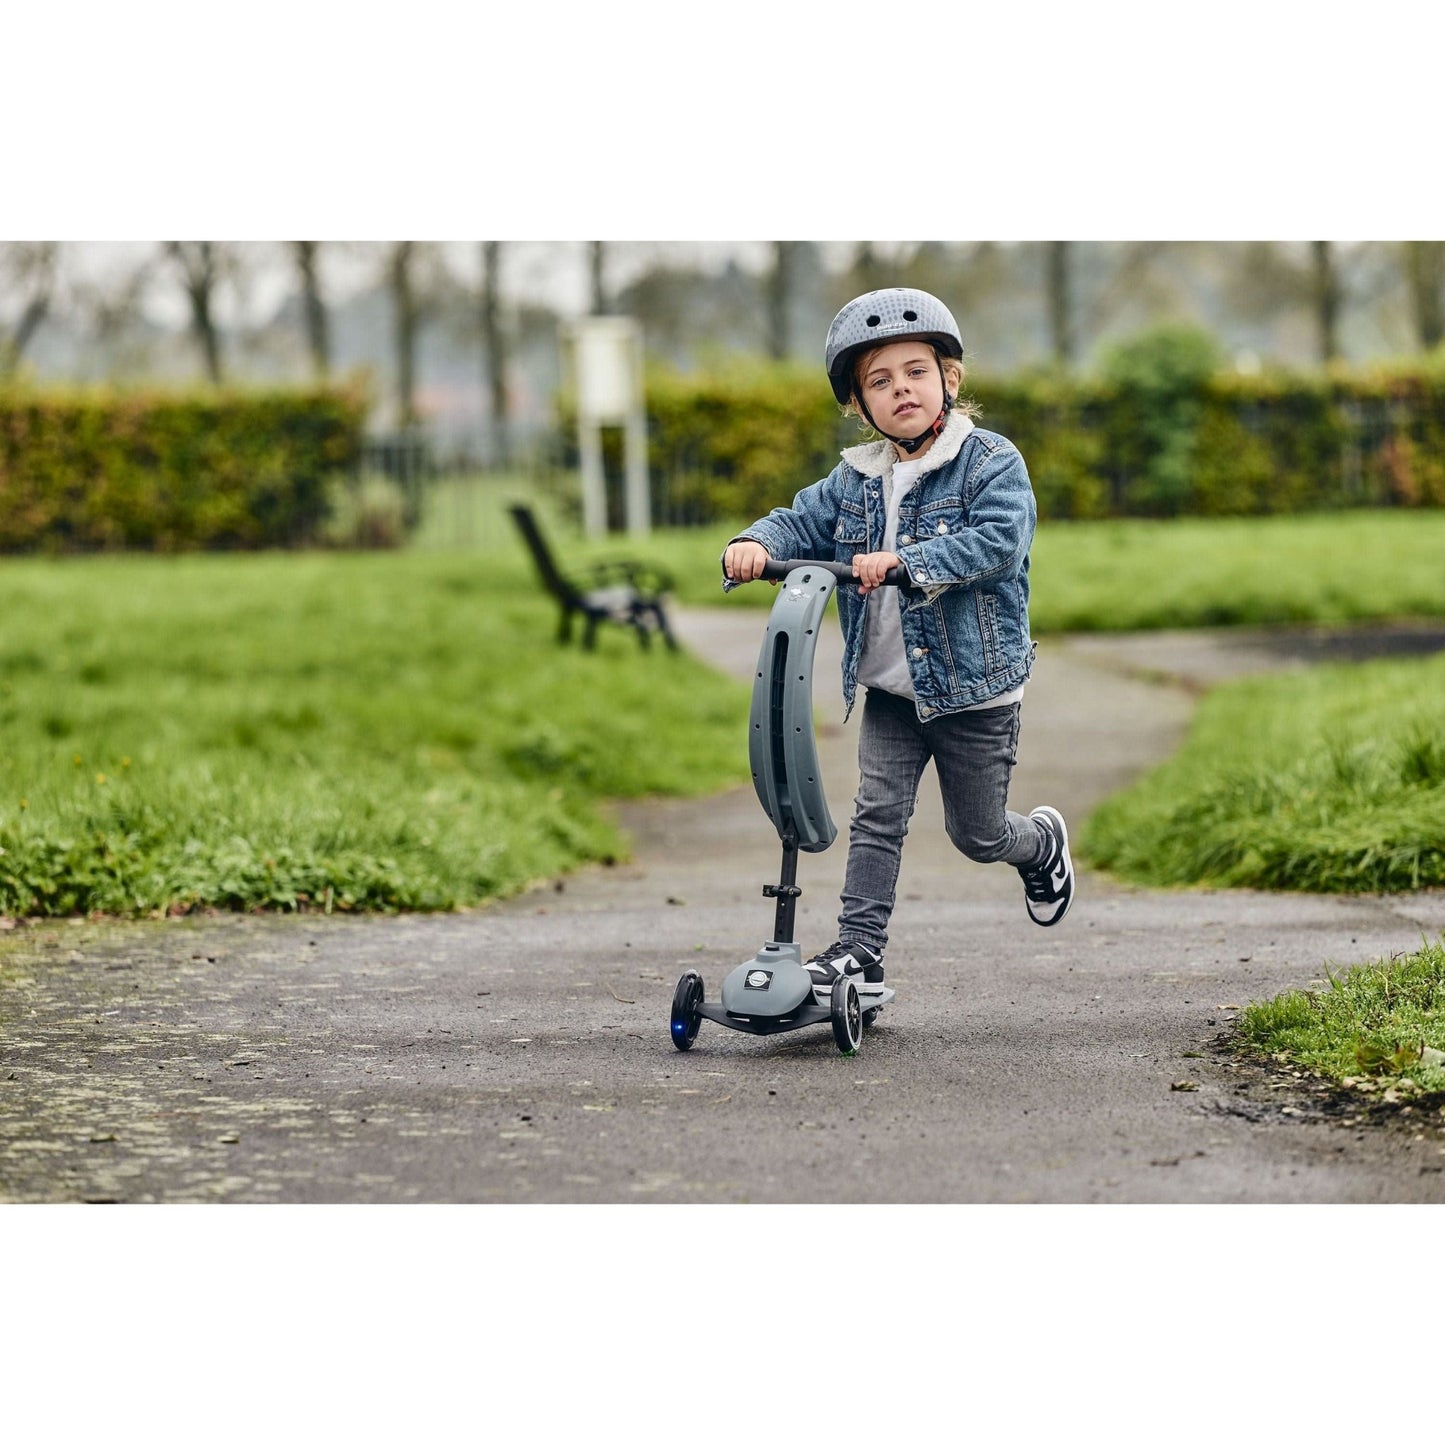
(1333, 567)
(1330, 780)
(1378, 1026)
(369, 731)
(1087, 576)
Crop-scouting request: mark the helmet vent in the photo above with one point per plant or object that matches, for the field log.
(910, 316)
(874, 320)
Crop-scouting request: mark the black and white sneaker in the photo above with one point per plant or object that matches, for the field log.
(845, 958)
(1049, 885)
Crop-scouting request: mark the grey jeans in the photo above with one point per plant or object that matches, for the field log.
(973, 754)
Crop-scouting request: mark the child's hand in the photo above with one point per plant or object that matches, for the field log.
(872, 567)
(743, 561)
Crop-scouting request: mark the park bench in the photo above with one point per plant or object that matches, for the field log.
(625, 592)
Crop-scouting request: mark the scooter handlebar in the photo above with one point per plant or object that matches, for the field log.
(774, 571)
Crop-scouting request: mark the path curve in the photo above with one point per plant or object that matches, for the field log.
(520, 1053)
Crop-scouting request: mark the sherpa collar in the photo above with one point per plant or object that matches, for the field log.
(875, 459)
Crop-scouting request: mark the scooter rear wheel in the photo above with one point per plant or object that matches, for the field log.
(847, 1014)
(686, 1020)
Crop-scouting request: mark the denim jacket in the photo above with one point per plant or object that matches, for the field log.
(964, 531)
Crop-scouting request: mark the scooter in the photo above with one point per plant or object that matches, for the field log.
(772, 992)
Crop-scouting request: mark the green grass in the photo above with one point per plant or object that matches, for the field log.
(1209, 572)
(1381, 1021)
(1329, 780)
(1110, 576)
(399, 730)
(370, 731)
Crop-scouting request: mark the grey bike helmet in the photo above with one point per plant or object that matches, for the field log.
(878, 317)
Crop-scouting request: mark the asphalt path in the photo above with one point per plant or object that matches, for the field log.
(520, 1053)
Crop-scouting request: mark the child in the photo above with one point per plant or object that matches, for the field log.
(944, 666)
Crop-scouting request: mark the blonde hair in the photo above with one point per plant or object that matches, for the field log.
(953, 375)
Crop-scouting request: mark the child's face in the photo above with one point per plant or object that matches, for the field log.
(902, 387)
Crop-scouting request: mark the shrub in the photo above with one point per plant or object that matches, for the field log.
(365, 512)
(1158, 432)
(732, 442)
(98, 471)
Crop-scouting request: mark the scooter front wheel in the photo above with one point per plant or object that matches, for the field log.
(686, 1019)
(847, 1015)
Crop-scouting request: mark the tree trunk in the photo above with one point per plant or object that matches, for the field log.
(317, 331)
(27, 269)
(780, 295)
(1327, 296)
(1425, 271)
(867, 269)
(404, 329)
(494, 347)
(596, 258)
(197, 263)
(1061, 308)
(12, 347)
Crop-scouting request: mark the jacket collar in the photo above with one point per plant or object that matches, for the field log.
(874, 459)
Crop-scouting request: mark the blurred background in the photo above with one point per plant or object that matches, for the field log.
(457, 352)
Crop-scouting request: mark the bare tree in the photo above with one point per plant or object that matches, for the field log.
(318, 337)
(199, 265)
(596, 261)
(421, 288)
(1267, 281)
(1133, 279)
(1061, 302)
(1328, 295)
(1425, 272)
(780, 297)
(30, 268)
(867, 271)
(109, 310)
(1080, 307)
(494, 345)
(406, 325)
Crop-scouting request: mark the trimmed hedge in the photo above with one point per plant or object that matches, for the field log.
(96, 471)
(728, 443)
(1148, 438)
(1230, 446)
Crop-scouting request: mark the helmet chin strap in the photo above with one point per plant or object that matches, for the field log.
(912, 444)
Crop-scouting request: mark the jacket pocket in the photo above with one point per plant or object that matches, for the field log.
(994, 661)
(941, 519)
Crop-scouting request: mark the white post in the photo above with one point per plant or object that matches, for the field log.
(594, 482)
(608, 352)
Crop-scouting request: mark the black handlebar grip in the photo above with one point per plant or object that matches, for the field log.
(843, 571)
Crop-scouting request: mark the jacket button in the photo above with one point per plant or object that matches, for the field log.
(920, 576)
(905, 540)
(943, 526)
(926, 711)
(919, 651)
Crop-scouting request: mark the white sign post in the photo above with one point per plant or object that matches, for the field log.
(608, 355)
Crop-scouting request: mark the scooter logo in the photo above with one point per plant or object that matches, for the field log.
(758, 978)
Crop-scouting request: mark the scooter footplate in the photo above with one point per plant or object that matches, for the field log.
(800, 1018)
